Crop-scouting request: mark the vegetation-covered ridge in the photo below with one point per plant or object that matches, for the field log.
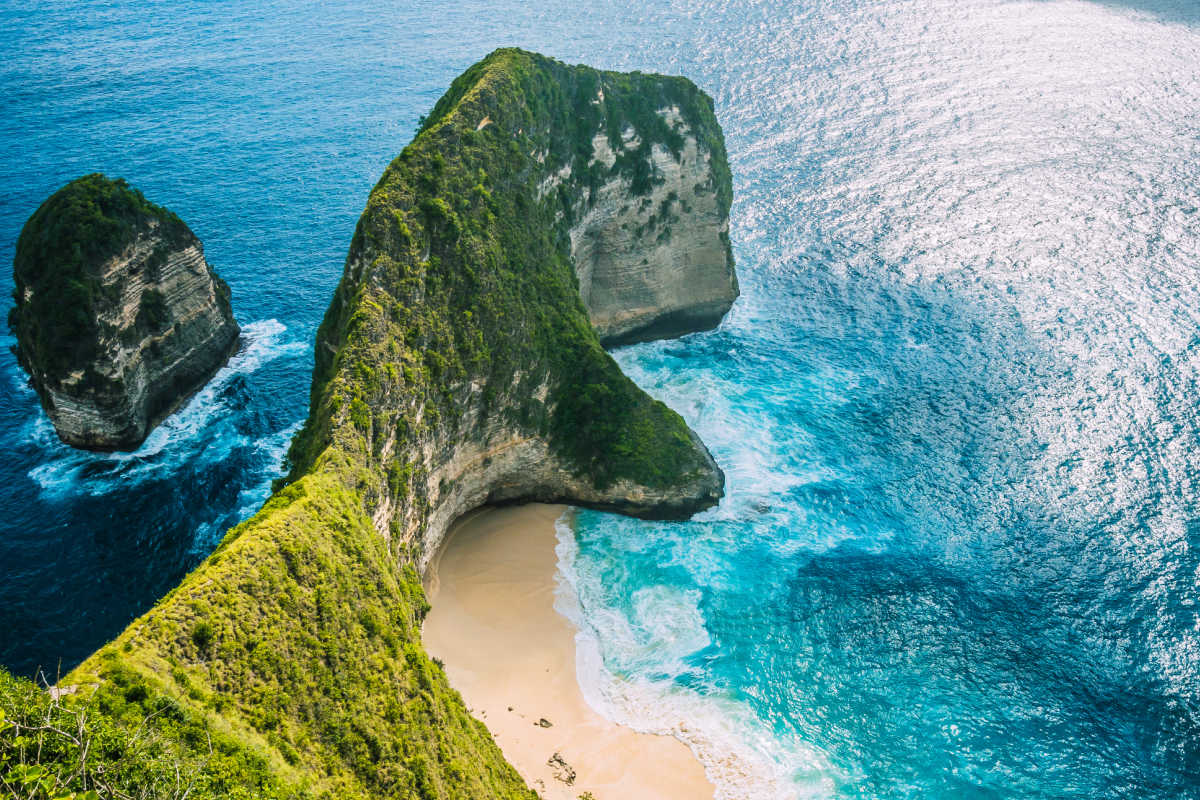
(460, 302)
(455, 367)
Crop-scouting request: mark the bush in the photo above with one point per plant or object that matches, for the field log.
(202, 634)
(54, 749)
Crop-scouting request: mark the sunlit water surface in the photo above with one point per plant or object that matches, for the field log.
(956, 404)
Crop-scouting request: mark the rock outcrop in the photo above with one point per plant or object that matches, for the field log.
(118, 317)
(532, 186)
(656, 263)
(456, 366)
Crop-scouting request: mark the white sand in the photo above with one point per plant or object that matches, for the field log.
(512, 656)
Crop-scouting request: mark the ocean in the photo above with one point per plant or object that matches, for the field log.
(956, 404)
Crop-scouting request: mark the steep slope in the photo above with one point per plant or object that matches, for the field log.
(650, 242)
(118, 317)
(456, 366)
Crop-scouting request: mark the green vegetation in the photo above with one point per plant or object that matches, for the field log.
(119, 742)
(290, 664)
(152, 313)
(59, 251)
(459, 272)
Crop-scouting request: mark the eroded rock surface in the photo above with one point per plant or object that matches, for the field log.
(119, 319)
(657, 264)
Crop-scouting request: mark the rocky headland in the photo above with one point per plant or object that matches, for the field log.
(118, 317)
(650, 243)
(540, 209)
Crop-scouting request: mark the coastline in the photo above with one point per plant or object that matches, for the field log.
(512, 657)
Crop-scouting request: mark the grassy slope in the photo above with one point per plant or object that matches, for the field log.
(290, 663)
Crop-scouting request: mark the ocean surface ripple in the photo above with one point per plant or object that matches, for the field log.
(956, 404)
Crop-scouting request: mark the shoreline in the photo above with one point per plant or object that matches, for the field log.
(511, 656)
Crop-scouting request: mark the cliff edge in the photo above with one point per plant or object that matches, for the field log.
(118, 317)
(457, 357)
(456, 366)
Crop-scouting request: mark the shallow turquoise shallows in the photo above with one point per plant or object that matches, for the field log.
(957, 404)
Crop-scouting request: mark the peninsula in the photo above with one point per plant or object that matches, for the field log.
(541, 209)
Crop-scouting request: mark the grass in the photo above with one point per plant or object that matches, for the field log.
(290, 664)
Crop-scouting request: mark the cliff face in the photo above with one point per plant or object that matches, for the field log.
(119, 319)
(656, 263)
(456, 366)
(533, 186)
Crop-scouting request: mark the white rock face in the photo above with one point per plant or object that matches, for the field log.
(152, 360)
(657, 265)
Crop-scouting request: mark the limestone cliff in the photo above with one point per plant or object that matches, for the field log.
(456, 366)
(118, 317)
(653, 260)
(532, 186)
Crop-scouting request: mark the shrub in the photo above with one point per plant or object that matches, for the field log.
(202, 634)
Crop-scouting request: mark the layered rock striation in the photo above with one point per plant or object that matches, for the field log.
(118, 317)
(650, 244)
(458, 365)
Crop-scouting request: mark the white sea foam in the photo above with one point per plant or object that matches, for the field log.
(184, 436)
(262, 343)
(741, 756)
(765, 456)
(274, 448)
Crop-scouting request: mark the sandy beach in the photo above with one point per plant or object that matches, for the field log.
(512, 656)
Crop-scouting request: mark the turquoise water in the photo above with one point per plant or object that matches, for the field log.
(956, 404)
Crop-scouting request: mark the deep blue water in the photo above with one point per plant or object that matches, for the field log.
(956, 404)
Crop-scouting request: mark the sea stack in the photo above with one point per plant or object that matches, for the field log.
(118, 317)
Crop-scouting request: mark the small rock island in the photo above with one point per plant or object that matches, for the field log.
(118, 317)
